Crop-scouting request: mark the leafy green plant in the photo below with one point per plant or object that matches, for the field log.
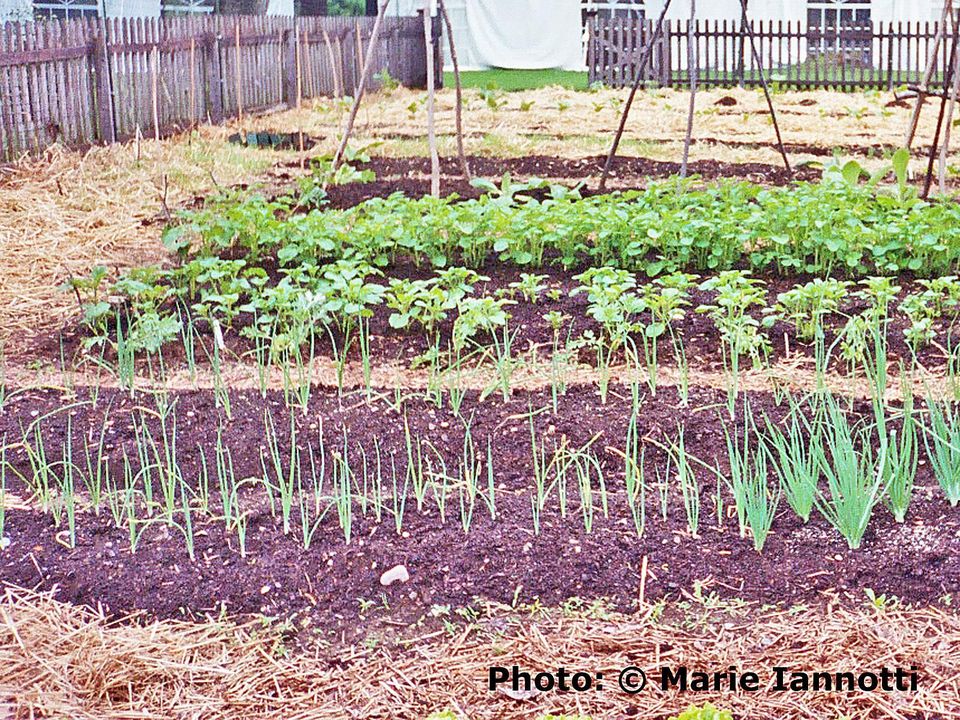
(705, 712)
(735, 294)
(529, 286)
(613, 303)
(805, 306)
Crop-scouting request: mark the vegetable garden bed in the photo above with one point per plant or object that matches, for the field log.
(588, 468)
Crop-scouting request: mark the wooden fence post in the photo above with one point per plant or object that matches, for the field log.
(348, 59)
(214, 75)
(290, 41)
(100, 66)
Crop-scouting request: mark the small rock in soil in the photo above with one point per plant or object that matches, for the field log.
(395, 574)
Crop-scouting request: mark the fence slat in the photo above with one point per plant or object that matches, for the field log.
(847, 56)
(88, 80)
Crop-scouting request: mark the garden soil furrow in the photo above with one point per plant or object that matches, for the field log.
(502, 561)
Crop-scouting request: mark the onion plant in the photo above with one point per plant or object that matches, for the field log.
(794, 453)
(284, 481)
(634, 479)
(854, 474)
(900, 470)
(756, 503)
(687, 480)
(942, 441)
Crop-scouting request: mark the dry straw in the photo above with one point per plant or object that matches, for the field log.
(64, 212)
(60, 661)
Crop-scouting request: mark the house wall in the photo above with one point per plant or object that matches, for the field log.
(13, 10)
(131, 8)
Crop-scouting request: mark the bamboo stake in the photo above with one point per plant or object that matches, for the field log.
(360, 89)
(334, 67)
(928, 74)
(464, 165)
(948, 81)
(431, 101)
(645, 58)
(766, 89)
(643, 582)
(341, 70)
(360, 54)
(945, 149)
(692, 69)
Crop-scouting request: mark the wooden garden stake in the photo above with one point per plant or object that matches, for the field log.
(948, 81)
(945, 148)
(458, 113)
(335, 164)
(692, 63)
(340, 68)
(928, 73)
(431, 101)
(643, 581)
(334, 67)
(644, 60)
(763, 82)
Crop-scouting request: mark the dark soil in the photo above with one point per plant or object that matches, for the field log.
(411, 175)
(334, 586)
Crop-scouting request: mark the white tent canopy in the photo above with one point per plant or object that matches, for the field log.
(515, 34)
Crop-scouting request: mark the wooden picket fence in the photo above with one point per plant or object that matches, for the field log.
(89, 80)
(792, 55)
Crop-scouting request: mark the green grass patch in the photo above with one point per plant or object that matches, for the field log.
(514, 80)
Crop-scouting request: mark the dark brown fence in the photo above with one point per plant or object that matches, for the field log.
(873, 55)
(88, 80)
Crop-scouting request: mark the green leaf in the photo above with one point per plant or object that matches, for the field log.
(399, 321)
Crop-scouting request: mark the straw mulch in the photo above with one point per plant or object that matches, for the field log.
(795, 374)
(60, 661)
(573, 123)
(67, 211)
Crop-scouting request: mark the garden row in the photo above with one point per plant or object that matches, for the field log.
(160, 476)
(813, 452)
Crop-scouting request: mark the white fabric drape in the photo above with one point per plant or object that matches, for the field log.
(525, 34)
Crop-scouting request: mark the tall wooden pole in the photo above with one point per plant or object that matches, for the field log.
(641, 69)
(458, 114)
(948, 123)
(693, 62)
(763, 81)
(928, 74)
(374, 35)
(431, 101)
(948, 82)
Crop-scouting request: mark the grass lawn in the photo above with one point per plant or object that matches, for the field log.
(510, 80)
